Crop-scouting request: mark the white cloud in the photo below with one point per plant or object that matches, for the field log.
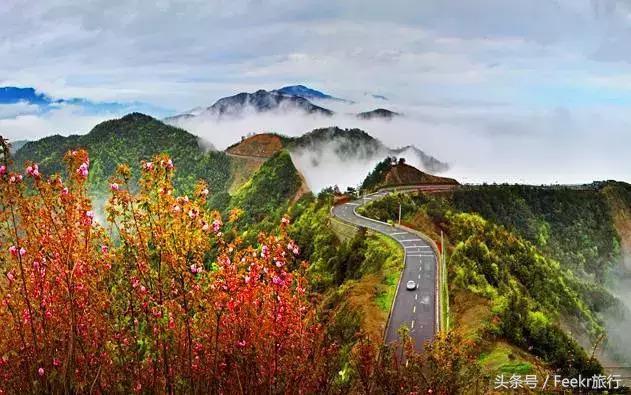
(15, 109)
(64, 120)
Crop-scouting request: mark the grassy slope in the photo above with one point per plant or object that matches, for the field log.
(241, 169)
(267, 195)
(387, 174)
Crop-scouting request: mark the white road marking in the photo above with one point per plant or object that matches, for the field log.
(414, 309)
(412, 324)
(415, 296)
(405, 241)
(398, 233)
(419, 276)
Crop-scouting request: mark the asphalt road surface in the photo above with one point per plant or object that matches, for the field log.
(414, 308)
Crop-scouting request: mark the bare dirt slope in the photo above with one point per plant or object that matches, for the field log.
(402, 174)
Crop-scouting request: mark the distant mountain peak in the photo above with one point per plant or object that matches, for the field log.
(306, 92)
(259, 101)
(382, 113)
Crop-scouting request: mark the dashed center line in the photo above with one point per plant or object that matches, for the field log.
(414, 309)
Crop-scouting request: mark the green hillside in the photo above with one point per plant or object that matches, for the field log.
(573, 226)
(266, 196)
(131, 139)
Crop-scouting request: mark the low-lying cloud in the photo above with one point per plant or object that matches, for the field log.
(481, 142)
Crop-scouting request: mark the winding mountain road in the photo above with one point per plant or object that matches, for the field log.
(417, 309)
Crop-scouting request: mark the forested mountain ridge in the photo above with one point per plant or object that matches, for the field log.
(131, 139)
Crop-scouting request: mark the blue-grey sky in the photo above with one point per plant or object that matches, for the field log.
(535, 74)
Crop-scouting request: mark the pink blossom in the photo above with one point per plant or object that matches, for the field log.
(284, 221)
(205, 227)
(264, 252)
(3, 170)
(83, 169)
(22, 251)
(13, 250)
(89, 217)
(176, 208)
(216, 225)
(277, 280)
(33, 171)
(241, 343)
(114, 186)
(10, 276)
(279, 264)
(104, 249)
(64, 191)
(192, 213)
(135, 282)
(169, 164)
(204, 192)
(40, 371)
(56, 362)
(148, 166)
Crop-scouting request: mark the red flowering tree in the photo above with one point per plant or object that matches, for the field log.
(160, 303)
(53, 288)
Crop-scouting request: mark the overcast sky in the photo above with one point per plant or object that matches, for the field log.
(539, 84)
